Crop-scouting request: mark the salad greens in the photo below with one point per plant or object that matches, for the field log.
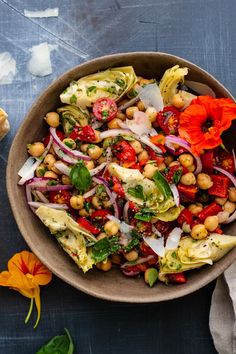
(80, 177)
(58, 345)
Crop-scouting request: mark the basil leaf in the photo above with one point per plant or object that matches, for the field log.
(144, 214)
(104, 247)
(80, 177)
(137, 192)
(58, 345)
(162, 184)
(177, 175)
(134, 241)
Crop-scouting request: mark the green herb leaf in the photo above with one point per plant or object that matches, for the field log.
(120, 82)
(104, 247)
(52, 183)
(73, 99)
(137, 192)
(177, 175)
(105, 114)
(134, 241)
(90, 90)
(58, 345)
(87, 206)
(80, 177)
(162, 184)
(144, 214)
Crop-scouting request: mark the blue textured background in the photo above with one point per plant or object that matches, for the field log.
(202, 31)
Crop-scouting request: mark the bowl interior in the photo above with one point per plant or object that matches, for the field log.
(112, 285)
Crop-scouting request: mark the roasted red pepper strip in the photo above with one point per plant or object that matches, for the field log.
(124, 152)
(117, 187)
(220, 186)
(60, 197)
(99, 214)
(187, 191)
(154, 157)
(185, 216)
(83, 222)
(218, 231)
(207, 161)
(177, 278)
(210, 210)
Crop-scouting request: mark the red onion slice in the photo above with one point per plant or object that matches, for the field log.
(58, 187)
(175, 193)
(156, 244)
(63, 168)
(155, 231)
(74, 153)
(114, 132)
(145, 139)
(98, 169)
(63, 156)
(130, 273)
(41, 197)
(100, 180)
(172, 139)
(90, 193)
(139, 261)
(233, 153)
(49, 205)
(125, 212)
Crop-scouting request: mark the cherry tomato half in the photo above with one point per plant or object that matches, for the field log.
(124, 151)
(86, 134)
(168, 119)
(60, 197)
(105, 109)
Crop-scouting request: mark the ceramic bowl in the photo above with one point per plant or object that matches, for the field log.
(111, 285)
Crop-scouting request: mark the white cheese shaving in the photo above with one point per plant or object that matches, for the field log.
(44, 13)
(7, 68)
(40, 62)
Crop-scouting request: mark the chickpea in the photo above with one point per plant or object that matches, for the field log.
(136, 146)
(141, 106)
(222, 216)
(232, 194)
(121, 116)
(229, 207)
(116, 258)
(149, 170)
(105, 266)
(84, 147)
(77, 202)
(101, 236)
(52, 151)
(96, 202)
(49, 161)
(221, 201)
(199, 231)
(54, 169)
(83, 212)
(40, 170)
(174, 163)
(188, 179)
(177, 101)
(51, 174)
(151, 112)
(36, 149)
(102, 159)
(107, 204)
(191, 168)
(65, 179)
(53, 119)
(195, 208)
(162, 166)
(143, 155)
(70, 143)
(131, 256)
(114, 123)
(130, 111)
(204, 181)
(111, 228)
(89, 164)
(211, 223)
(186, 160)
(97, 136)
(168, 160)
(94, 151)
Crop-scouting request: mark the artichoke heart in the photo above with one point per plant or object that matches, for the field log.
(193, 254)
(170, 81)
(69, 235)
(72, 116)
(112, 83)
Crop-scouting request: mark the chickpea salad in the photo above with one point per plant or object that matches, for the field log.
(133, 174)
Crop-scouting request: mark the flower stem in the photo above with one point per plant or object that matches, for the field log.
(30, 310)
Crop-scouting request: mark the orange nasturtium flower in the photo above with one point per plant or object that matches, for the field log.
(25, 274)
(202, 123)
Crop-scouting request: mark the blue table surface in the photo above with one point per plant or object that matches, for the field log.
(202, 31)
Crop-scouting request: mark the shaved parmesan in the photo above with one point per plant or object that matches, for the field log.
(44, 13)
(7, 68)
(157, 245)
(40, 62)
(173, 239)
